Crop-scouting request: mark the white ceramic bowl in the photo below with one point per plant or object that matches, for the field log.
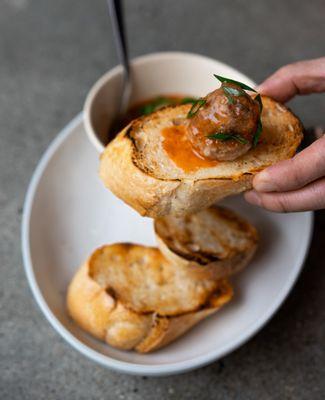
(68, 213)
(153, 74)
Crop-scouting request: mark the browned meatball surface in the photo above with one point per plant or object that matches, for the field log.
(227, 114)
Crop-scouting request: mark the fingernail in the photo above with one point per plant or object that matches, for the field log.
(263, 183)
(253, 198)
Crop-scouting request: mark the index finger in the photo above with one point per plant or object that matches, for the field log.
(303, 77)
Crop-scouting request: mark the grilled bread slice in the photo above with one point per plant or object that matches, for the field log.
(215, 240)
(145, 281)
(100, 312)
(157, 186)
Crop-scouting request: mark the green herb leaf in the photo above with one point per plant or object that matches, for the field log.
(147, 109)
(259, 128)
(195, 107)
(228, 95)
(155, 105)
(259, 100)
(220, 136)
(188, 100)
(233, 91)
(228, 80)
(228, 136)
(258, 132)
(230, 92)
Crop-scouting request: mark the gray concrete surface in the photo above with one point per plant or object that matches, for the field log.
(50, 54)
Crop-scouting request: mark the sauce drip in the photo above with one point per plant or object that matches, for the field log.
(180, 150)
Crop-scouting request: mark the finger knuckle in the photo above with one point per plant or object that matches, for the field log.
(278, 203)
(295, 176)
(318, 155)
(318, 193)
(282, 204)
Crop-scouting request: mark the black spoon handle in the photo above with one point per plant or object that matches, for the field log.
(116, 15)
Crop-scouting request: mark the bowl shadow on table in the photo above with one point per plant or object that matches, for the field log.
(295, 331)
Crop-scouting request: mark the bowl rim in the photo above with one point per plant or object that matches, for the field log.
(137, 61)
(109, 362)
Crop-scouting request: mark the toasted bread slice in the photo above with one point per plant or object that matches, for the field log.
(166, 329)
(216, 240)
(156, 186)
(145, 282)
(95, 309)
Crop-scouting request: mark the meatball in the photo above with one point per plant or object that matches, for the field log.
(230, 111)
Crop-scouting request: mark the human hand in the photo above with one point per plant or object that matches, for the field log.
(297, 184)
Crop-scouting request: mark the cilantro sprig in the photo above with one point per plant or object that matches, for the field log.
(195, 107)
(222, 79)
(228, 136)
(259, 128)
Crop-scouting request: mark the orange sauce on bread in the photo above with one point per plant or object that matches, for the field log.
(179, 149)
